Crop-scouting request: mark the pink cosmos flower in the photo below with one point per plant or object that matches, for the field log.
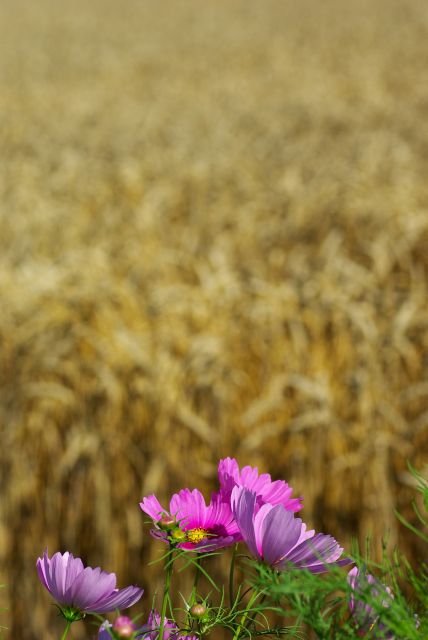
(81, 589)
(275, 536)
(266, 490)
(195, 524)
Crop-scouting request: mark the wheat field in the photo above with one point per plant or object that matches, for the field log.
(213, 241)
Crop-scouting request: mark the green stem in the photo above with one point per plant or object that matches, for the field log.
(252, 619)
(66, 630)
(200, 634)
(197, 572)
(231, 576)
(245, 615)
(168, 571)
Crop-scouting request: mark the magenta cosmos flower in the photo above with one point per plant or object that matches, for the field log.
(266, 490)
(80, 589)
(275, 536)
(191, 523)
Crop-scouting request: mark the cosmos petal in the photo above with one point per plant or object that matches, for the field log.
(243, 502)
(281, 531)
(266, 490)
(152, 507)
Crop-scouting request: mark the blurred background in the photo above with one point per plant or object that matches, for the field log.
(213, 241)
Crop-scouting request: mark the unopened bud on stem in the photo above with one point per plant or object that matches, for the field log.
(198, 610)
(167, 522)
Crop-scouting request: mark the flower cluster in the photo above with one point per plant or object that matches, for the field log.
(192, 524)
(248, 507)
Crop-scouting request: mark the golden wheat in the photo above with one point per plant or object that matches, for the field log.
(213, 241)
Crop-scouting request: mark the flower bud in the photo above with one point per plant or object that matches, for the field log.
(167, 522)
(198, 610)
(178, 535)
(124, 627)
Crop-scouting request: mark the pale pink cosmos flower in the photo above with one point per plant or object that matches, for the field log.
(82, 588)
(275, 536)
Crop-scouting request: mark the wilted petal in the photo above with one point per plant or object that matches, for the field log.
(159, 535)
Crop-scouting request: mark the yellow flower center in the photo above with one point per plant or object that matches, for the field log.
(196, 535)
